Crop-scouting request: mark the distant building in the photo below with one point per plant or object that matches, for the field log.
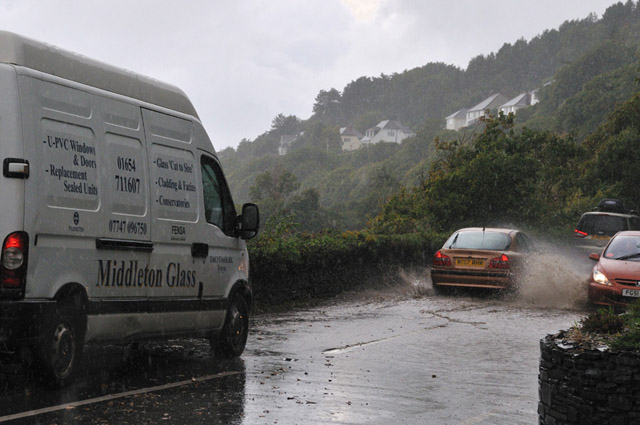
(387, 131)
(492, 102)
(457, 120)
(285, 143)
(350, 139)
(535, 96)
(520, 101)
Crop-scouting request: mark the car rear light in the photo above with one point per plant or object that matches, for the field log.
(439, 259)
(579, 233)
(501, 262)
(13, 264)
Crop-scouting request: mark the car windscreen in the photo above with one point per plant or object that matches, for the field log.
(602, 224)
(624, 247)
(494, 241)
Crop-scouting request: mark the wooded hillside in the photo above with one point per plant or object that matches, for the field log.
(584, 69)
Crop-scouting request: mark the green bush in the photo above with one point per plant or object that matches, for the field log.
(303, 266)
(629, 339)
(603, 322)
(619, 331)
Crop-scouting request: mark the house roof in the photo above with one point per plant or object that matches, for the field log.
(491, 102)
(461, 113)
(287, 139)
(348, 131)
(523, 99)
(393, 125)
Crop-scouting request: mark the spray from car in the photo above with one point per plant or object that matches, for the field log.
(554, 278)
(553, 275)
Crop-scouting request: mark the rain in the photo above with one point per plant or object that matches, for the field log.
(350, 212)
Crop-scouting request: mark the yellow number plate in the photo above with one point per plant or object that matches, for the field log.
(601, 237)
(469, 262)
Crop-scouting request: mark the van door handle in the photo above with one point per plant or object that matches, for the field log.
(199, 250)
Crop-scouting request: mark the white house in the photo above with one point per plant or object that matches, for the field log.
(387, 131)
(492, 102)
(535, 96)
(285, 143)
(457, 120)
(350, 139)
(520, 101)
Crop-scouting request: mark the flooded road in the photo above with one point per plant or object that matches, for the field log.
(400, 355)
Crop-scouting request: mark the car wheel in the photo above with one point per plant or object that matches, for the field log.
(233, 337)
(61, 350)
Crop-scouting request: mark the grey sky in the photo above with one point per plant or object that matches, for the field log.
(242, 62)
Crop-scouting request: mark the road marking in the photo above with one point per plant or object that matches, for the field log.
(114, 396)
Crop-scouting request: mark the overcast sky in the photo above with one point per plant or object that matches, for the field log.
(242, 62)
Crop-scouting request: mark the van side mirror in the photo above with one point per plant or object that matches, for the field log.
(594, 256)
(249, 221)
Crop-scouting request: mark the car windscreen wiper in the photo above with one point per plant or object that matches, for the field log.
(627, 257)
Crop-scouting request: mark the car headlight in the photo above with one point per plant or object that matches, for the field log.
(600, 278)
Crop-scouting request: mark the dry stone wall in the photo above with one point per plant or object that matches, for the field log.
(587, 387)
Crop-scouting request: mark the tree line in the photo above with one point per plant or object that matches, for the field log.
(544, 165)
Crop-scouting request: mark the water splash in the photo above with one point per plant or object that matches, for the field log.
(554, 280)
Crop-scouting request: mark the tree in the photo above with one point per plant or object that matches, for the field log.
(327, 103)
(271, 190)
(615, 155)
(275, 185)
(307, 212)
(502, 177)
(282, 124)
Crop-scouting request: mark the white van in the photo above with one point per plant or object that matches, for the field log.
(116, 218)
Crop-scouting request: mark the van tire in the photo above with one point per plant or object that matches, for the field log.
(233, 337)
(60, 354)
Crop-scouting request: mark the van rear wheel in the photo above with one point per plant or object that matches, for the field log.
(61, 350)
(233, 337)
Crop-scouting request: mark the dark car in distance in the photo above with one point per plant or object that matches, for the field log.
(595, 228)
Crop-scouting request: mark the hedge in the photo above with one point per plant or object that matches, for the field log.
(313, 266)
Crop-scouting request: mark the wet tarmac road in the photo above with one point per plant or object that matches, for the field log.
(396, 356)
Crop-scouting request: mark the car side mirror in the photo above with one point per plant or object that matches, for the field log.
(594, 256)
(249, 221)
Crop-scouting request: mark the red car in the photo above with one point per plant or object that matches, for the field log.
(481, 258)
(615, 280)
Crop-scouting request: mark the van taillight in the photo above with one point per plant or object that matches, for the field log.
(579, 234)
(13, 266)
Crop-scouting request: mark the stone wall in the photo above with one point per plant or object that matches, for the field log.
(587, 387)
